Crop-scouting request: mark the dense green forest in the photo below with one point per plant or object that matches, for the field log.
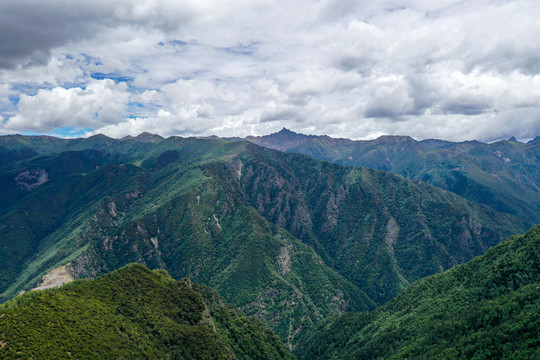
(132, 313)
(488, 308)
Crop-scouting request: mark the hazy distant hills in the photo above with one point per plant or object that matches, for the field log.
(504, 175)
(285, 237)
(132, 313)
(486, 309)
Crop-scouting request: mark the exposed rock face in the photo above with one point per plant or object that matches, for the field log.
(237, 167)
(30, 179)
(55, 278)
(284, 259)
(392, 235)
(154, 241)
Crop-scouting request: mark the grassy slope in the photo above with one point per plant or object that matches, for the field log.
(487, 308)
(132, 313)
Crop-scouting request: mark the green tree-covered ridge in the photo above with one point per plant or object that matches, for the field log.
(504, 175)
(132, 313)
(285, 237)
(488, 308)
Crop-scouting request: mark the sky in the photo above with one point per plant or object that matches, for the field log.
(448, 69)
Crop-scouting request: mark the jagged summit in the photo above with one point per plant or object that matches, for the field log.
(286, 131)
(283, 134)
(283, 140)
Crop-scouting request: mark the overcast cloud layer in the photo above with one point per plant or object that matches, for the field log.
(448, 69)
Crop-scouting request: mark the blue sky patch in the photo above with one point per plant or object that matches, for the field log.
(116, 77)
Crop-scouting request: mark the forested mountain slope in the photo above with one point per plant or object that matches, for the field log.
(488, 308)
(380, 230)
(132, 313)
(504, 175)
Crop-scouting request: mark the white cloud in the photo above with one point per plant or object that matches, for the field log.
(447, 69)
(101, 102)
(390, 98)
(5, 93)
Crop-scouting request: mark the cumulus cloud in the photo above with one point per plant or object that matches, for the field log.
(448, 69)
(101, 102)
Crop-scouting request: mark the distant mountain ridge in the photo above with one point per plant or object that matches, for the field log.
(504, 175)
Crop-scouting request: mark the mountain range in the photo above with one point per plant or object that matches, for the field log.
(504, 175)
(283, 236)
